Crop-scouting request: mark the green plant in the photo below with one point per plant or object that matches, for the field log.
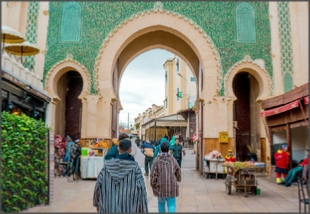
(24, 162)
(137, 125)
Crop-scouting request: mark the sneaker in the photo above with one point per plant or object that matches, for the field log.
(282, 183)
(287, 185)
(146, 174)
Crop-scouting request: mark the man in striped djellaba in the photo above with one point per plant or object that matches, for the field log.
(120, 184)
(165, 175)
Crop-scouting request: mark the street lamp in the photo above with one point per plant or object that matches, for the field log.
(182, 76)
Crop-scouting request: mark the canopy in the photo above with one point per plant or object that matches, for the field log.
(170, 120)
(281, 109)
(22, 49)
(10, 35)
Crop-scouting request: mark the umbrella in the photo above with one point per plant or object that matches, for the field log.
(10, 35)
(22, 49)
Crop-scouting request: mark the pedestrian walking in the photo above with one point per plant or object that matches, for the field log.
(134, 147)
(282, 161)
(113, 152)
(157, 148)
(148, 150)
(120, 184)
(165, 175)
(68, 149)
(177, 150)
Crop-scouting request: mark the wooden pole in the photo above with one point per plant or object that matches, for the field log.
(303, 113)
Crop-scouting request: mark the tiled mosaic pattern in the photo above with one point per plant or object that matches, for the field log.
(71, 22)
(217, 19)
(31, 31)
(285, 45)
(245, 20)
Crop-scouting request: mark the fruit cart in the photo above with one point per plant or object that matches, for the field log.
(241, 175)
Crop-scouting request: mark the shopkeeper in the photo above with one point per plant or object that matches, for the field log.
(230, 157)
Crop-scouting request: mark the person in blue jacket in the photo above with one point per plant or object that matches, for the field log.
(113, 152)
(68, 149)
(157, 149)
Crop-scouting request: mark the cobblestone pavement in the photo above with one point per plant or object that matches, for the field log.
(197, 194)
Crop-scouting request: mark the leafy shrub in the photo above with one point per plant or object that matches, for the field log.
(24, 162)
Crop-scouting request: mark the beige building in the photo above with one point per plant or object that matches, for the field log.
(178, 78)
(260, 53)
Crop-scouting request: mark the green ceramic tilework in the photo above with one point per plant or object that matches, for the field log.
(287, 82)
(245, 20)
(286, 56)
(31, 32)
(71, 22)
(217, 19)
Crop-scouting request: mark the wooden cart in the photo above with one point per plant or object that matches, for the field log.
(242, 179)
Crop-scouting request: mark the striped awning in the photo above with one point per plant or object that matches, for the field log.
(280, 109)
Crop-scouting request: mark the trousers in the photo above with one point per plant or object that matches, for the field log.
(148, 161)
(170, 203)
(292, 174)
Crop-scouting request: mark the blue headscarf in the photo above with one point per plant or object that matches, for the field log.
(157, 149)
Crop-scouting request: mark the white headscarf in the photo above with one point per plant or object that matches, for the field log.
(134, 147)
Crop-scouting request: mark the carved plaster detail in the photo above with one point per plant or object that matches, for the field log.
(69, 58)
(247, 59)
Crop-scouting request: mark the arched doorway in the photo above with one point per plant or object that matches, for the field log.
(245, 109)
(67, 74)
(157, 29)
(69, 109)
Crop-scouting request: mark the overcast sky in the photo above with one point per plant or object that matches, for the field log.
(143, 84)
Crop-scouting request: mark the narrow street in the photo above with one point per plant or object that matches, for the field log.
(197, 194)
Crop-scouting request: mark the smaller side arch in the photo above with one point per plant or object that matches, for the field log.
(61, 68)
(261, 75)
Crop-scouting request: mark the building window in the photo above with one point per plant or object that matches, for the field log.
(178, 65)
(245, 20)
(71, 22)
(192, 79)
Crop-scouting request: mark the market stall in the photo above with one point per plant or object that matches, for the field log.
(92, 158)
(213, 164)
(241, 175)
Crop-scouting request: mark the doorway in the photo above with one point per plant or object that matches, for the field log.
(246, 115)
(69, 109)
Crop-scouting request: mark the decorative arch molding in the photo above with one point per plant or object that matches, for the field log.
(121, 71)
(250, 66)
(147, 21)
(62, 67)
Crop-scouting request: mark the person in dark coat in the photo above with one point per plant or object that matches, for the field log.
(113, 152)
(148, 150)
(177, 150)
(120, 185)
(165, 175)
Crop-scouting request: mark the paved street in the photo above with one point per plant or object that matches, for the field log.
(197, 194)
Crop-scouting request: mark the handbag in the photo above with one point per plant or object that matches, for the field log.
(149, 153)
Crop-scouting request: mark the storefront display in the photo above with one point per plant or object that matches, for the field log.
(92, 157)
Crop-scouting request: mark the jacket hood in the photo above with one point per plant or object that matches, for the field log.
(164, 140)
(118, 169)
(165, 158)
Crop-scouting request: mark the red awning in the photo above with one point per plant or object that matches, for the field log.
(306, 100)
(281, 109)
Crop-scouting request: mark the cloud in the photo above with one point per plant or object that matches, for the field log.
(143, 83)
